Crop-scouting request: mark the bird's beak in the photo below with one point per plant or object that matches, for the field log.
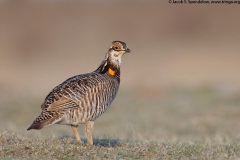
(128, 50)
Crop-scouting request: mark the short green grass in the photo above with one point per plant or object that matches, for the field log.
(142, 123)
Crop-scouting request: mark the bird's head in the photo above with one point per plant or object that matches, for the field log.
(112, 62)
(116, 51)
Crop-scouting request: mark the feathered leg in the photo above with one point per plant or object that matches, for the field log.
(76, 134)
(89, 130)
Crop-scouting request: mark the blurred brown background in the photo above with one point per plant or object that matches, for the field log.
(44, 42)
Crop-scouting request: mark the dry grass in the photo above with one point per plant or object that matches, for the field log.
(15, 147)
(143, 123)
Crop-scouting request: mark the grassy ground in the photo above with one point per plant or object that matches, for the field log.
(143, 123)
(15, 146)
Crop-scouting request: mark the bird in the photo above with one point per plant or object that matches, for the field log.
(81, 99)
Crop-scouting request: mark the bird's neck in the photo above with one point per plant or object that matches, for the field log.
(107, 67)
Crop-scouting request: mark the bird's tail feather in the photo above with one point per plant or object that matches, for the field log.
(45, 119)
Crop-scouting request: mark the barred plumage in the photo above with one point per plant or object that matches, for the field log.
(83, 98)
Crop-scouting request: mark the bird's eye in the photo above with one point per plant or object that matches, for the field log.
(116, 48)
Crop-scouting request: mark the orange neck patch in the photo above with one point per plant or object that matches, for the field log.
(111, 72)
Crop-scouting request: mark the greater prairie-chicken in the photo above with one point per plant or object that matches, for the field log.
(83, 98)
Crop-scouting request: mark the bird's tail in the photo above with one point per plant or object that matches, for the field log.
(46, 118)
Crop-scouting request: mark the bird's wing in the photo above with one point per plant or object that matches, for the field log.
(62, 104)
(68, 94)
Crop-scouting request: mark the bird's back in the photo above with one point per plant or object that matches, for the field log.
(79, 99)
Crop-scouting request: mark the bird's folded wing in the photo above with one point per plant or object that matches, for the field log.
(62, 104)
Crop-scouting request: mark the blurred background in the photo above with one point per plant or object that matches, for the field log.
(180, 81)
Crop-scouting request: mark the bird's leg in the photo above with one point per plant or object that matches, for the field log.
(89, 130)
(76, 134)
